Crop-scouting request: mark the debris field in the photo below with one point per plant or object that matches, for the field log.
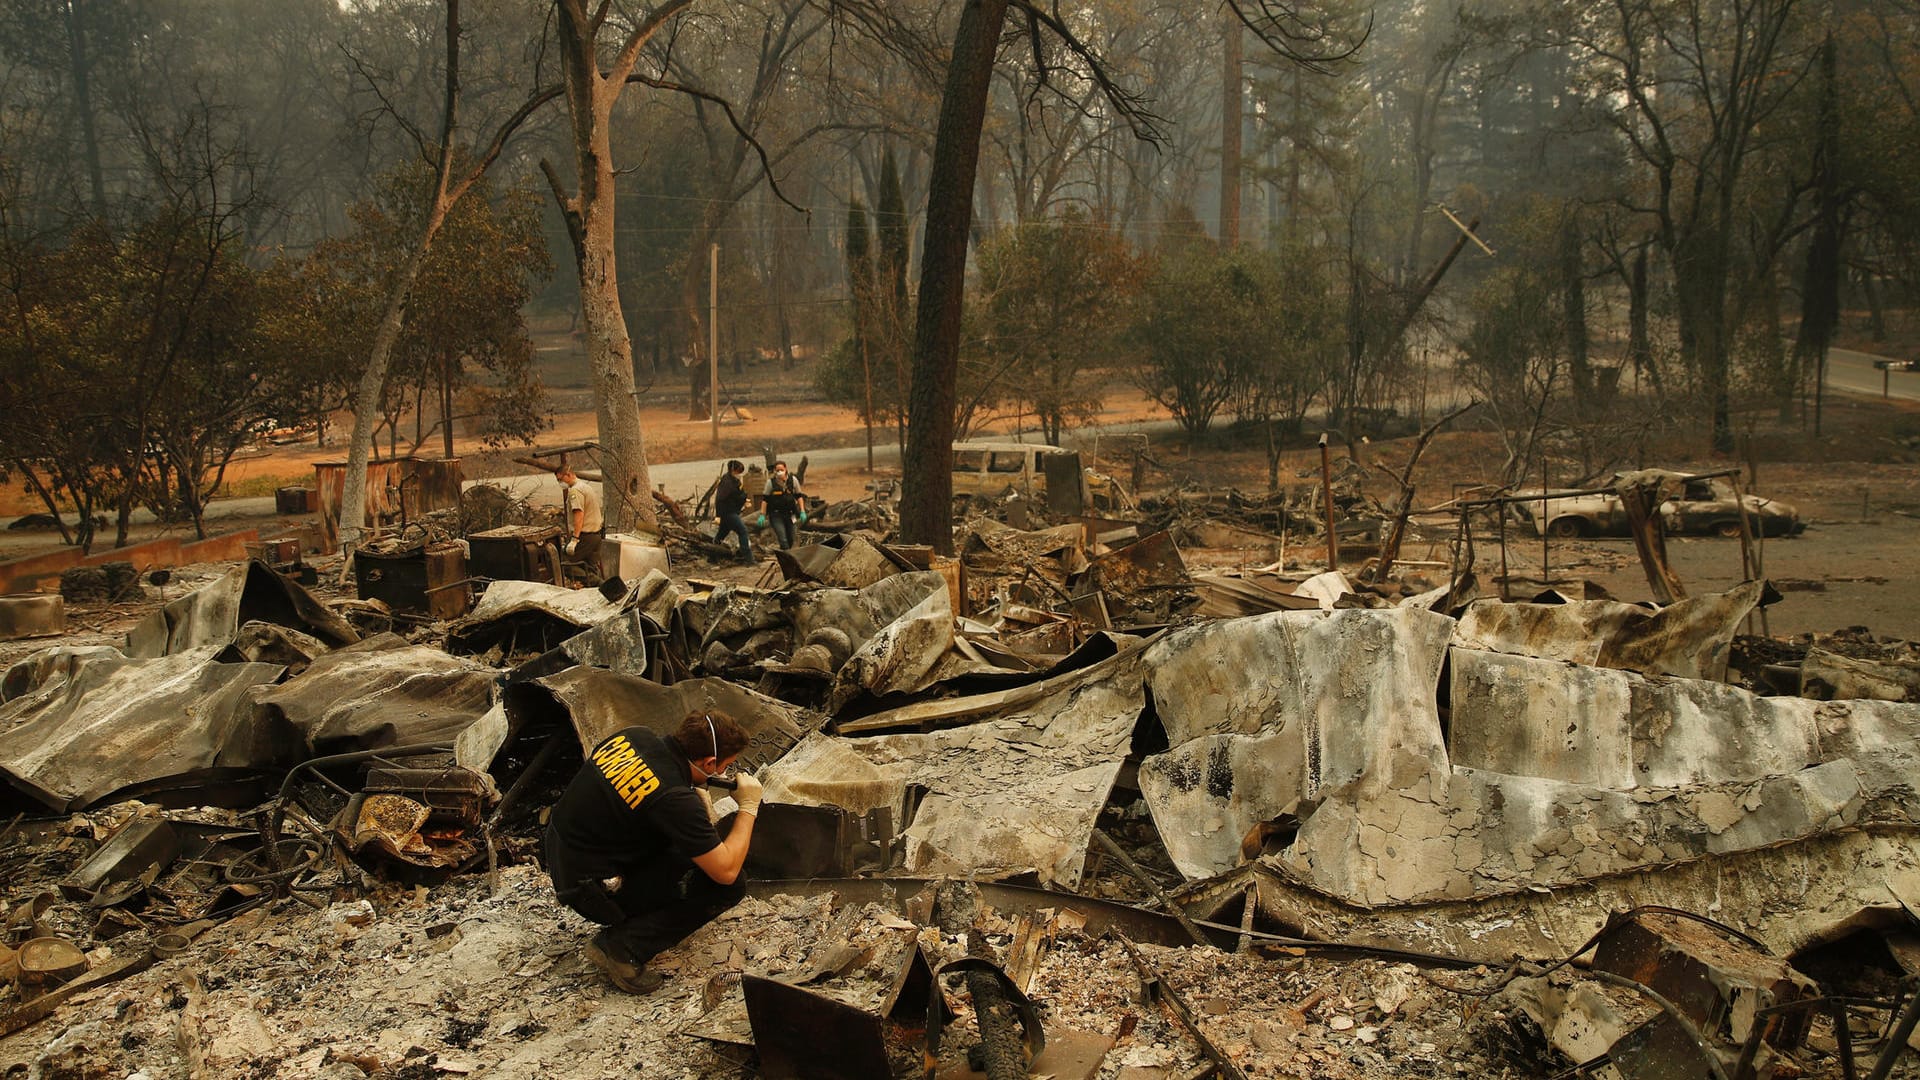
(1092, 797)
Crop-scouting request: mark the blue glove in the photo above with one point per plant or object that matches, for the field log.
(760, 522)
(803, 517)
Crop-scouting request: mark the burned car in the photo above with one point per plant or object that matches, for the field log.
(1703, 506)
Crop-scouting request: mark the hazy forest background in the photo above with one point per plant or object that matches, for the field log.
(1252, 214)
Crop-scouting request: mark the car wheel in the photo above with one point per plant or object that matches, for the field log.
(1566, 528)
(1728, 529)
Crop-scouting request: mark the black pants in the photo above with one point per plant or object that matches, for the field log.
(782, 522)
(659, 903)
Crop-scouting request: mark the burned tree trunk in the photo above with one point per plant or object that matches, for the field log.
(926, 506)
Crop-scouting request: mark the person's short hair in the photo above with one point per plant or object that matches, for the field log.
(735, 466)
(563, 472)
(710, 733)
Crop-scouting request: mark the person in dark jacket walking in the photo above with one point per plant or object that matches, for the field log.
(631, 843)
(729, 499)
(782, 502)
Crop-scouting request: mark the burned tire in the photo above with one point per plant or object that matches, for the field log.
(1566, 528)
(1728, 529)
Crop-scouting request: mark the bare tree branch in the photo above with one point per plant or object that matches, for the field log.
(766, 166)
(387, 106)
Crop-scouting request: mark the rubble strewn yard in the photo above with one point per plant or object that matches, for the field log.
(1137, 803)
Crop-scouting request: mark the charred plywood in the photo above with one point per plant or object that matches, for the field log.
(1689, 638)
(106, 727)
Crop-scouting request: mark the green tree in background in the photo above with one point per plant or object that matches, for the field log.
(1054, 296)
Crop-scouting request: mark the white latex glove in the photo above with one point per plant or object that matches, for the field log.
(572, 542)
(747, 794)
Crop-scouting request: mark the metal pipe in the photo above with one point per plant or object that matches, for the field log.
(1897, 1041)
(1140, 874)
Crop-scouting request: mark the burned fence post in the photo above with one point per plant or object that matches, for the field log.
(1326, 497)
(1640, 495)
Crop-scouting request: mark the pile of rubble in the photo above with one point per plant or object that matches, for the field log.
(1398, 828)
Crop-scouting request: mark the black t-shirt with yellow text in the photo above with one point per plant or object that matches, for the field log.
(632, 802)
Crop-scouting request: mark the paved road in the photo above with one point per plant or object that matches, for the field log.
(1854, 373)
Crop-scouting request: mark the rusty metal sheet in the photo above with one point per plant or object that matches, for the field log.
(1717, 980)
(214, 613)
(142, 844)
(1149, 563)
(395, 828)
(1689, 638)
(110, 726)
(397, 489)
(32, 616)
(801, 1035)
(1229, 596)
(427, 579)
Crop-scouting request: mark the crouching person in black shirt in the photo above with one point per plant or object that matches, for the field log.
(631, 843)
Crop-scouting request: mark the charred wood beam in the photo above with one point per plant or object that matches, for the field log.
(1156, 988)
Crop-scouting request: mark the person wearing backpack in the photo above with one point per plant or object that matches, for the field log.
(782, 503)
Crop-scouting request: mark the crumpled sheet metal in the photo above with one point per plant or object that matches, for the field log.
(1620, 730)
(1264, 712)
(595, 703)
(214, 613)
(382, 692)
(110, 725)
(860, 563)
(1825, 674)
(1148, 563)
(618, 643)
(1689, 638)
(1019, 788)
(914, 616)
(1059, 552)
(544, 615)
(268, 643)
(1450, 836)
(1789, 896)
(58, 662)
